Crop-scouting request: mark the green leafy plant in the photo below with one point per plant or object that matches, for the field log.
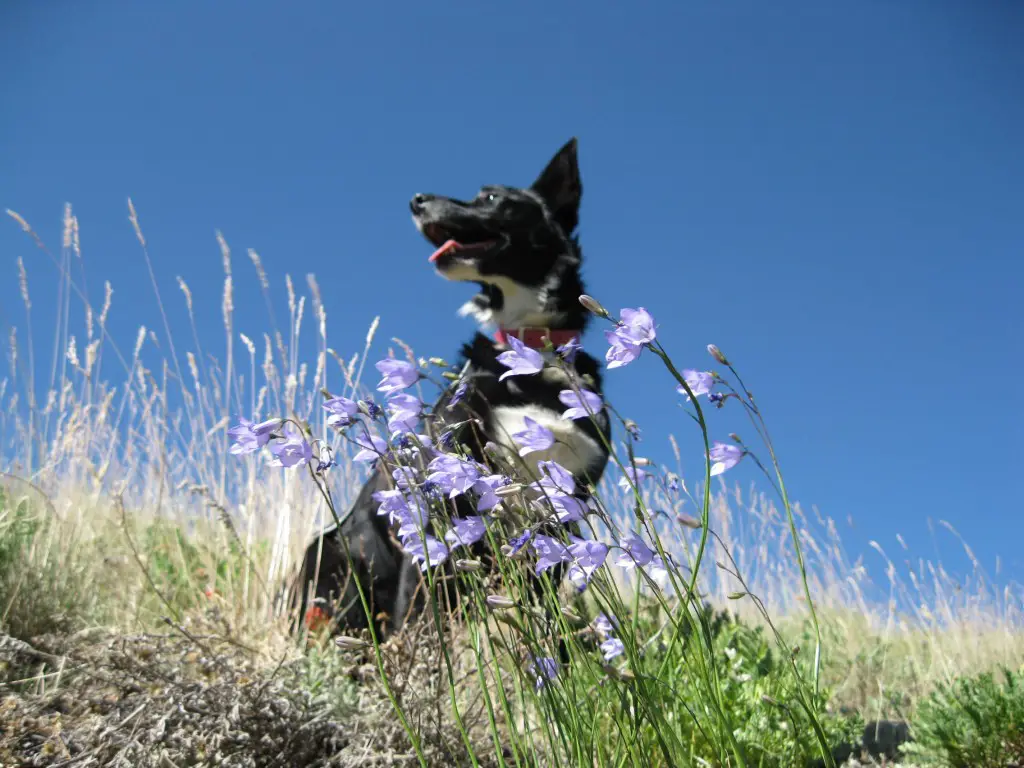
(757, 686)
(973, 722)
(44, 584)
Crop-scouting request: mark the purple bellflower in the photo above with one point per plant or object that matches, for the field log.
(634, 331)
(604, 625)
(555, 480)
(581, 404)
(342, 411)
(637, 554)
(248, 437)
(544, 669)
(373, 447)
(292, 450)
(422, 547)
(611, 648)
(398, 374)
(392, 503)
(632, 477)
(550, 552)
(413, 518)
(700, 382)
(536, 437)
(520, 359)
(516, 543)
(458, 394)
(724, 456)
(588, 555)
(568, 350)
(568, 509)
(405, 477)
(485, 489)
(452, 475)
(404, 411)
(637, 325)
(466, 531)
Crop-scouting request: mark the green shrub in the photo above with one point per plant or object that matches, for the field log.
(757, 687)
(974, 722)
(44, 586)
(755, 681)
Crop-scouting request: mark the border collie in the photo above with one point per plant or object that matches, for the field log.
(519, 246)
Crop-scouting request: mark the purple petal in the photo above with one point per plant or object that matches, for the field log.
(536, 437)
(635, 552)
(520, 359)
(724, 456)
(485, 487)
(581, 404)
(700, 382)
(568, 509)
(398, 374)
(422, 547)
(550, 552)
(633, 477)
(373, 448)
(466, 531)
(639, 325)
(620, 353)
(611, 648)
(544, 669)
(555, 479)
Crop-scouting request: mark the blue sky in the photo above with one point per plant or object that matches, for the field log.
(831, 192)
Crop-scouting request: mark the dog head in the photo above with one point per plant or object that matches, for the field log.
(517, 244)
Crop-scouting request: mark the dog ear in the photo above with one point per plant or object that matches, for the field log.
(560, 186)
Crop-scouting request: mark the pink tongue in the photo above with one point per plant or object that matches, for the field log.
(450, 245)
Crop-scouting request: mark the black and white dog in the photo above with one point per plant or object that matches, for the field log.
(519, 246)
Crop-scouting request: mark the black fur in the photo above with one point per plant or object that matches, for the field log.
(517, 245)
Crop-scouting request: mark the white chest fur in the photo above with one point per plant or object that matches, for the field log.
(574, 449)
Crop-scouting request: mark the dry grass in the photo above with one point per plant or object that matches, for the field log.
(141, 563)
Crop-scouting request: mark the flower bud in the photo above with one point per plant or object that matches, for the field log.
(689, 522)
(508, 490)
(538, 613)
(500, 601)
(592, 304)
(572, 616)
(450, 375)
(350, 643)
(716, 353)
(507, 551)
(619, 674)
(737, 595)
(640, 461)
(438, 361)
(468, 566)
(369, 408)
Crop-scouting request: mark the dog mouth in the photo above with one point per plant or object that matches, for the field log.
(451, 245)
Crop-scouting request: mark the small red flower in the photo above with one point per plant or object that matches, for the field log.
(316, 618)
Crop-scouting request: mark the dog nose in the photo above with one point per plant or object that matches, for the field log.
(418, 201)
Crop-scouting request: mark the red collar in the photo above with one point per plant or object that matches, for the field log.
(535, 337)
